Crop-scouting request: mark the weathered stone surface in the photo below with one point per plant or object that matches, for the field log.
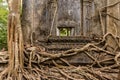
(41, 20)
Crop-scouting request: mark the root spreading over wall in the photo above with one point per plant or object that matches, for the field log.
(33, 63)
(40, 65)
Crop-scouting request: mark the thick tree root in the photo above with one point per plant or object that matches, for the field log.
(35, 68)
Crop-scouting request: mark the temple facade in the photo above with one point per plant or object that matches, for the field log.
(59, 25)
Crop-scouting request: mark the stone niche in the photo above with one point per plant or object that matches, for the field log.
(79, 16)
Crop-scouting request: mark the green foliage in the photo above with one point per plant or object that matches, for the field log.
(64, 31)
(3, 24)
(3, 37)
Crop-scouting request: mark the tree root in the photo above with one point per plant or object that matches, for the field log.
(35, 68)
